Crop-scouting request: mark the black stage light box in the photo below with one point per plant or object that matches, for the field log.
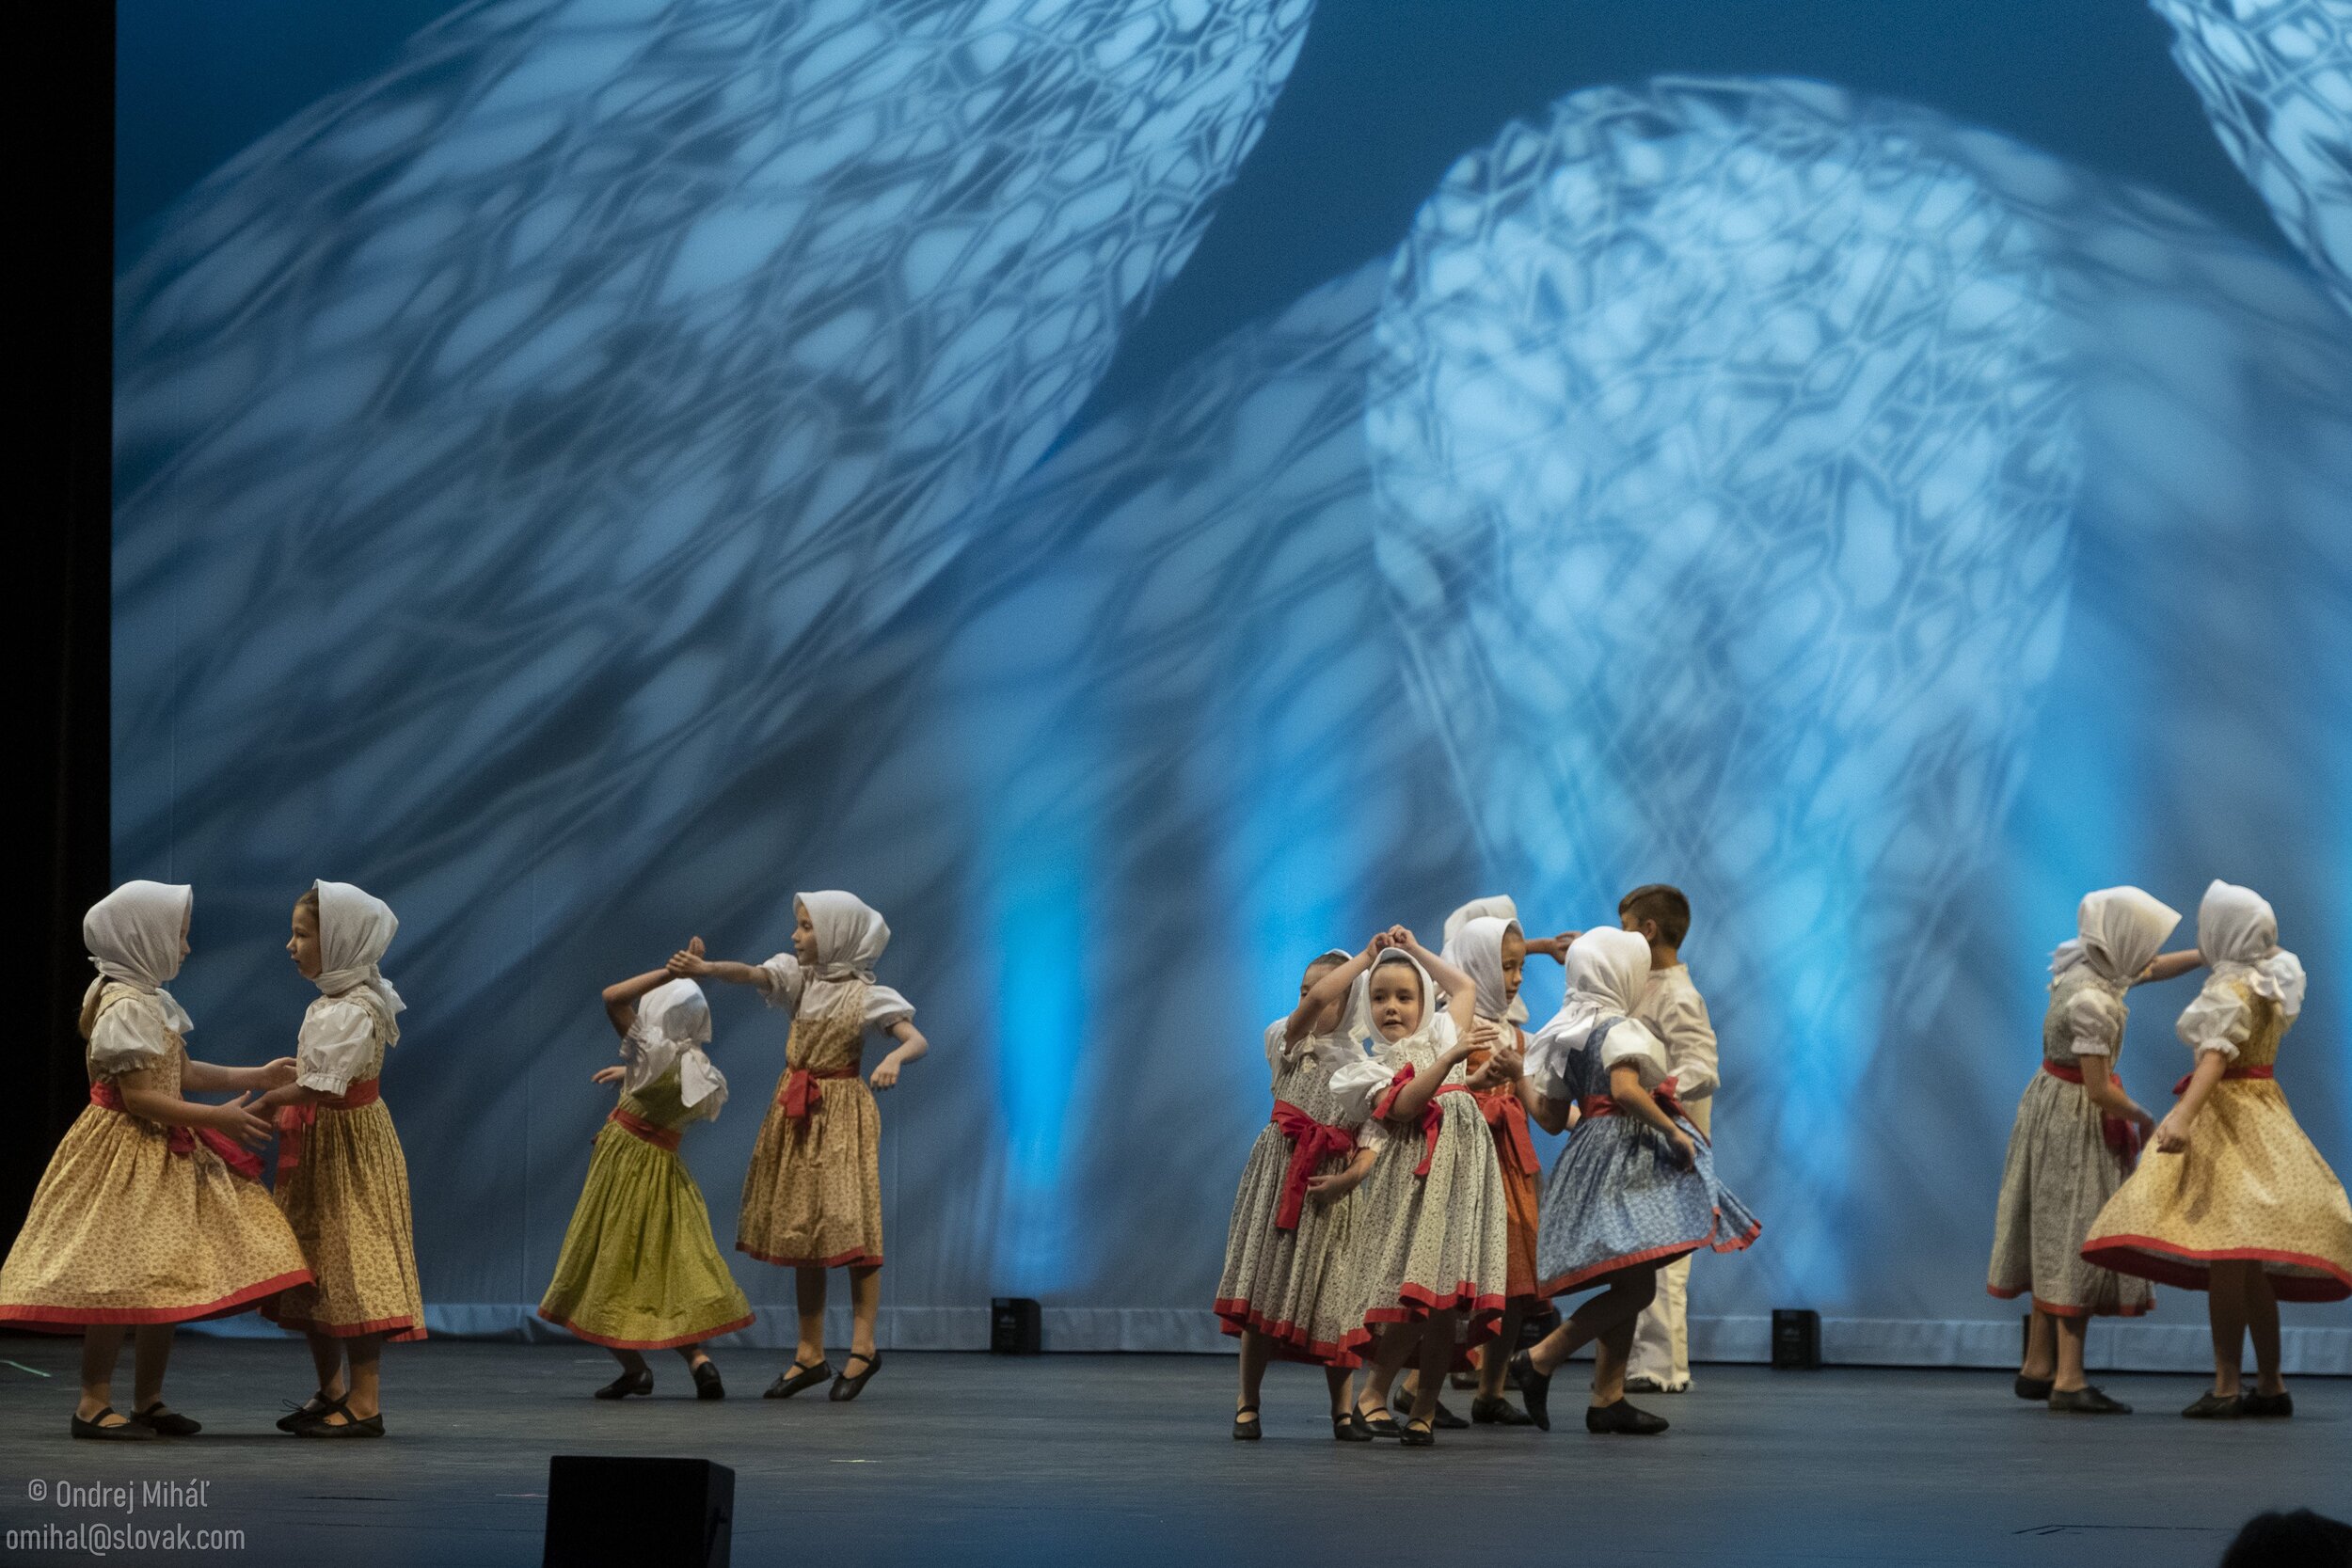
(1016, 1326)
(1796, 1339)
(638, 1513)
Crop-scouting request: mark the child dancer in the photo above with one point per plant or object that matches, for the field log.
(1493, 952)
(1673, 1010)
(812, 1198)
(1294, 1221)
(138, 1222)
(639, 1270)
(2234, 1200)
(342, 1179)
(1635, 1189)
(2076, 1136)
(1435, 1226)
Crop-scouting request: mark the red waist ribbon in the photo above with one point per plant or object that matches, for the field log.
(2120, 1133)
(637, 1126)
(183, 1140)
(800, 1094)
(1432, 1118)
(1606, 1105)
(1311, 1143)
(2263, 1072)
(1507, 1117)
(295, 1121)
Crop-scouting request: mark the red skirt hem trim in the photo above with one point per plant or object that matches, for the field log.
(574, 1328)
(1415, 1302)
(2054, 1309)
(2167, 1263)
(72, 1320)
(858, 1260)
(1290, 1341)
(399, 1331)
(1560, 1285)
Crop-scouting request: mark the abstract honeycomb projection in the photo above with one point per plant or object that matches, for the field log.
(610, 365)
(2275, 76)
(1728, 454)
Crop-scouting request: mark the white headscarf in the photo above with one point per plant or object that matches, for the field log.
(1435, 1027)
(2238, 933)
(2119, 929)
(355, 928)
(1607, 971)
(1501, 907)
(133, 935)
(850, 935)
(1476, 948)
(673, 1026)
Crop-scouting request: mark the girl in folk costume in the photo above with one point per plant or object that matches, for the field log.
(1493, 952)
(2076, 1136)
(812, 1198)
(2233, 1199)
(1294, 1221)
(342, 1179)
(639, 1270)
(142, 1219)
(1635, 1189)
(1431, 1263)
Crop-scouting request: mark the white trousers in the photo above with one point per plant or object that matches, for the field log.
(1661, 1336)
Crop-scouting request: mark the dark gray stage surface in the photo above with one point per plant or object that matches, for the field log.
(952, 1459)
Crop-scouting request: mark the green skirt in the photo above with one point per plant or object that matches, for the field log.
(638, 1269)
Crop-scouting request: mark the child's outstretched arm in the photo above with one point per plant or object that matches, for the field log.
(912, 1048)
(1555, 948)
(1329, 1188)
(2171, 1136)
(206, 1078)
(146, 1096)
(2166, 966)
(1323, 992)
(620, 1000)
(2107, 1091)
(688, 963)
(1461, 998)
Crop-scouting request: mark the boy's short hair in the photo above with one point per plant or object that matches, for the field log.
(1664, 903)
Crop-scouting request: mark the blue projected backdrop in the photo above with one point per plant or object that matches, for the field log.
(611, 464)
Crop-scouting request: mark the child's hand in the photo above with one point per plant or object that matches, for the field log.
(2171, 1134)
(1400, 936)
(278, 1074)
(2146, 1123)
(887, 1073)
(1560, 945)
(1326, 1189)
(1379, 943)
(1686, 1153)
(239, 1123)
(1506, 1065)
(609, 1075)
(688, 963)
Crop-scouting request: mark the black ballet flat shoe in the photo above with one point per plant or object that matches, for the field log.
(2261, 1406)
(2087, 1401)
(1445, 1420)
(350, 1426)
(1417, 1434)
(2034, 1389)
(2211, 1406)
(1248, 1432)
(302, 1413)
(1378, 1422)
(166, 1423)
(1499, 1412)
(1622, 1419)
(620, 1387)
(129, 1432)
(796, 1378)
(1350, 1428)
(1535, 1388)
(707, 1384)
(846, 1387)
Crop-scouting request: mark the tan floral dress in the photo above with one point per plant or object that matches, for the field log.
(812, 1196)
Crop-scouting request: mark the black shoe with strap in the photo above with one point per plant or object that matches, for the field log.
(2258, 1406)
(1249, 1431)
(1348, 1427)
(1622, 1419)
(797, 1378)
(848, 1386)
(350, 1426)
(309, 1411)
(2034, 1388)
(124, 1431)
(1417, 1434)
(166, 1423)
(2211, 1406)
(707, 1384)
(2087, 1401)
(1499, 1412)
(1444, 1421)
(1377, 1421)
(639, 1383)
(1534, 1387)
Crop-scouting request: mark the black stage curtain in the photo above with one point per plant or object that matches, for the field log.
(57, 685)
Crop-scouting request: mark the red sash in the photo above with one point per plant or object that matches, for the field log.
(183, 1140)
(1431, 1117)
(1606, 1105)
(798, 1094)
(295, 1121)
(637, 1126)
(1311, 1143)
(1507, 1117)
(2120, 1133)
(2182, 1088)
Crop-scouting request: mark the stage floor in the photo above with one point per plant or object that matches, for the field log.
(954, 1459)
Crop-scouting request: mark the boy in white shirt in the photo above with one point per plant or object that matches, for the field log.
(1676, 1014)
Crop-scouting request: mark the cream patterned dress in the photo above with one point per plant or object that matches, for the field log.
(135, 1223)
(2065, 1161)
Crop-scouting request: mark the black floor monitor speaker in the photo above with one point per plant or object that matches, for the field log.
(1016, 1326)
(638, 1513)
(1796, 1339)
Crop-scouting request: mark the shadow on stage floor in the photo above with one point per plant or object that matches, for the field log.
(953, 1459)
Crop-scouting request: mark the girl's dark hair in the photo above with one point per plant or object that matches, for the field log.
(2298, 1540)
(309, 899)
